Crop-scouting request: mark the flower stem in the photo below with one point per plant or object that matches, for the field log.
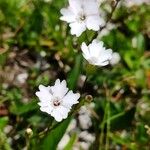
(107, 125)
(102, 128)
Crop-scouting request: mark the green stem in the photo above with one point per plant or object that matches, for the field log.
(108, 125)
(102, 129)
(115, 117)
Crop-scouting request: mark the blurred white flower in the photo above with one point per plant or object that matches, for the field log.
(96, 54)
(86, 136)
(130, 3)
(86, 139)
(115, 58)
(82, 14)
(84, 118)
(22, 77)
(63, 142)
(57, 100)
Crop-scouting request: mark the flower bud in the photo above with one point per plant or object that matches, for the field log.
(88, 98)
(29, 132)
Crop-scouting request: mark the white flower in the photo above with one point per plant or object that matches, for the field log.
(57, 100)
(130, 3)
(96, 54)
(82, 14)
(63, 142)
(115, 58)
(85, 118)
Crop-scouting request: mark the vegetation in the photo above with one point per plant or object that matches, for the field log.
(36, 47)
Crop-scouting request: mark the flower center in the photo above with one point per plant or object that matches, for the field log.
(81, 17)
(56, 101)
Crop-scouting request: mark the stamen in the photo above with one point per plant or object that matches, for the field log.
(82, 17)
(56, 102)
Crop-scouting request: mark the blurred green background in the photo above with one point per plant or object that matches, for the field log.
(37, 48)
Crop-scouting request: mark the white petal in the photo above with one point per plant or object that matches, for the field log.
(95, 48)
(102, 63)
(59, 89)
(94, 22)
(60, 113)
(57, 115)
(47, 109)
(85, 51)
(44, 93)
(76, 5)
(68, 15)
(43, 96)
(44, 103)
(105, 57)
(70, 99)
(44, 88)
(77, 28)
(64, 111)
(91, 7)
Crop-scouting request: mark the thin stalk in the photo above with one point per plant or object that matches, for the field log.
(102, 128)
(114, 117)
(108, 125)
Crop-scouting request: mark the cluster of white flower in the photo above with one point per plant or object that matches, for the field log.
(81, 15)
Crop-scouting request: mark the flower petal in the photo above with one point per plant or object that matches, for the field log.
(70, 99)
(68, 15)
(76, 5)
(64, 111)
(44, 88)
(47, 109)
(85, 51)
(59, 89)
(91, 7)
(77, 28)
(57, 115)
(94, 22)
(105, 57)
(44, 93)
(95, 48)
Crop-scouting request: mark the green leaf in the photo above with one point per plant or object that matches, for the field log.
(4, 145)
(24, 108)
(74, 74)
(3, 122)
(124, 121)
(52, 139)
(3, 58)
(140, 43)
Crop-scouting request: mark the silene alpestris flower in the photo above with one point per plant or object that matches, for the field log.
(96, 54)
(82, 14)
(57, 100)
